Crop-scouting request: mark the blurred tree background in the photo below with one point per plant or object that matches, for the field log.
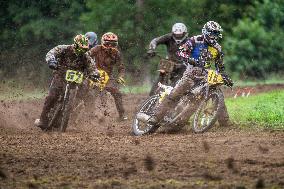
(252, 41)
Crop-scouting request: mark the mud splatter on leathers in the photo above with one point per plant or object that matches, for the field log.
(205, 55)
(66, 59)
(172, 48)
(107, 59)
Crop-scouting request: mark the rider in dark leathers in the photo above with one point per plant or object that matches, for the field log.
(172, 40)
(60, 59)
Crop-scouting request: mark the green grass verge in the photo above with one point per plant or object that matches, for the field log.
(136, 89)
(19, 94)
(263, 110)
(270, 81)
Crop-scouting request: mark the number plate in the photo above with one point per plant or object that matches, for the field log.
(74, 76)
(214, 78)
(101, 83)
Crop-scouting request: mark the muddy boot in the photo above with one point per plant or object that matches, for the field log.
(41, 124)
(122, 118)
(225, 123)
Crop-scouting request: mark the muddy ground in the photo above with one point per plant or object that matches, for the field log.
(100, 152)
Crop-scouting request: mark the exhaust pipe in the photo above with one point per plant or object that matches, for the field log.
(142, 117)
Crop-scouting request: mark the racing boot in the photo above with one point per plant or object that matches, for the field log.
(41, 124)
(123, 118)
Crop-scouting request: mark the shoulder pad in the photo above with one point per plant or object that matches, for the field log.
(218, 47)
(199, 38)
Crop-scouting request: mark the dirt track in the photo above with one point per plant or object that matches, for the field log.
(102, 153)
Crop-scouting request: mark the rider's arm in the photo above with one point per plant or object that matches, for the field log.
(184, 51)
(54, 53)
(91, 64)
(220, 67)
(159, 40)
(219, 62)
(120, 65)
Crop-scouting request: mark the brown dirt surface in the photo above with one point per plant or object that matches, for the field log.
(100, 152)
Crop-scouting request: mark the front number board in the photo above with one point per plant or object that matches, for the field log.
(74, 76)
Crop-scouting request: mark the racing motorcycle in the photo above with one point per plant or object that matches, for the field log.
(203, 100)
(68, 102)
(166, 75)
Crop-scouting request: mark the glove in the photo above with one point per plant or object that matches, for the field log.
(227, 80)
(94, 76)
(151, 53)
(121, 81)
(52, 64)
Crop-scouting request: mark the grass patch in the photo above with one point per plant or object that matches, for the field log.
(136, 89)
(21, 93)
(263, 110)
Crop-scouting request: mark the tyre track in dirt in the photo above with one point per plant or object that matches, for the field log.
(100, 152)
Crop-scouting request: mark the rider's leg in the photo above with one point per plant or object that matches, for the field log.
(177, 74)
(183, 85)
(50, 100)
(223, 117)
(160, 79)
(114, 91)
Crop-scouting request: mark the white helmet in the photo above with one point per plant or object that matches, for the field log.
(179, 32)
(212, 31)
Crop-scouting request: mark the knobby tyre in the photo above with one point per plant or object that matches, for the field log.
(207, 112)
(148, 108)
(66, 111)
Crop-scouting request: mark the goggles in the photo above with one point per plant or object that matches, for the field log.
(179, 35)
(110, 43)
(215, 34)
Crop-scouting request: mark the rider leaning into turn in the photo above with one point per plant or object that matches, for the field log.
(60, 59)
(205, 50)
(172, 40)
(108, 56)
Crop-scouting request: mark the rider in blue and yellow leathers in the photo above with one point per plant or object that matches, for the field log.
(205, 50)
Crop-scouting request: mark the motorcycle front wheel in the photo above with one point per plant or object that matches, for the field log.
(147, 108)
(66, 109)
(207, 112)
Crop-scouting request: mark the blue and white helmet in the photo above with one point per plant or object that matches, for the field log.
(179, 31)
(212, 32)
(92, 39)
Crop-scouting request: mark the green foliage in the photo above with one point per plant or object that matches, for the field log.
(34, 21)
(253, 30)
(30, 29)
(263, 110)
(255, 47)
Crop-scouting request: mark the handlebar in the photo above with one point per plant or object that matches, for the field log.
(165, 87)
